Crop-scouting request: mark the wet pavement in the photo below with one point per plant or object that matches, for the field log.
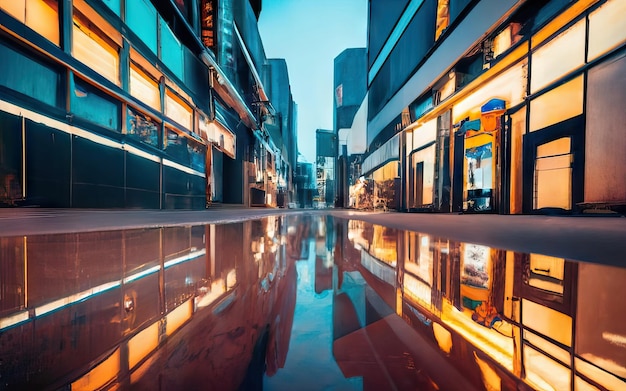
(310, 301)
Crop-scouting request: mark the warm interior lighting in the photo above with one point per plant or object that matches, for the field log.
(93, 50)
(144, 88)
(178, 317)
(142, 344)
(548, 109)
(178, 110)
(100, 375)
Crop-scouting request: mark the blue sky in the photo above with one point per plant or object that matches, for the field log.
(309, 35)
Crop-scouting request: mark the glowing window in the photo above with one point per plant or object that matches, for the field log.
(548, 109)
(607, 28)
(40, 15)
(443, 17)
(553, 175)
(144, 88)
(95, 50)
(562, 54)
(178, 110)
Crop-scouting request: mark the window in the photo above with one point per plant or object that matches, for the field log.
(197, 155)
(176, 146)
(561, 55)
(91, 47)
(40, 15)
(142, 127)
(94, 106)
(178, 110)
(171, 50)
(607, 27)
(28, 76)
(443, 17)
(141, 17)
(553, 175)
(114, 5)
(548, 109)
(144, 88)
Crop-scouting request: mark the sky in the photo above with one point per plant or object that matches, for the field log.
(309, 35)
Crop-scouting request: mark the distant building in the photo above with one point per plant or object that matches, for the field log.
(350, 86)
(326, 156)
(305, 183)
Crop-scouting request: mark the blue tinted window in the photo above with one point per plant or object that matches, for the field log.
(141, 17)
(92, 105)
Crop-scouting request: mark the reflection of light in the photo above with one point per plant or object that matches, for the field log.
(140, 274)
(231, 279)
(13, 319)
(177, 317)
(358, 246)
(424, 241)
(55, 305)
(142, 344)
(99, 375)
(184, 258)
(217, 289)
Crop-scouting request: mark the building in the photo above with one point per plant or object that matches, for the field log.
(350, 86)
(305, 183)
(466, 104)
(142, 104)
(326, 156)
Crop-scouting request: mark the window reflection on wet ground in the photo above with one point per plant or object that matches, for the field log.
(302, 302)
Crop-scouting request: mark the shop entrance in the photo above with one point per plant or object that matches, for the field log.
(553, 168)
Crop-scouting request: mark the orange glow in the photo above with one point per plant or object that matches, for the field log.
(178, 317)
(142, 344)
(548, 109)
(100, 375)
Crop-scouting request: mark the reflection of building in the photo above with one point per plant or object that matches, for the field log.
(106, 309)
(326, 155)
(305, 183)
(465, 99)
(506, 319)
(143, 104)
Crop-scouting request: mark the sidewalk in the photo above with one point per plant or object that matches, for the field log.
(592, 239)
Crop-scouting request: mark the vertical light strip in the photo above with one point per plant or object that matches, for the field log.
(25, 273)
(402, 24)
(23, 157)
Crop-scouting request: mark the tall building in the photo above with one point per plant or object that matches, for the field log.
(149, 104)
(350, 86)
(326, 156)
(499, 106)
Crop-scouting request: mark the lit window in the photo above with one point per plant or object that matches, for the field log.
(607, 27)
(144, 88)
(40, 15)
(178, 110)
(548, 109)
(506, 38)
(563, 54)
(443, 17)
(553, 175)
(95, 51)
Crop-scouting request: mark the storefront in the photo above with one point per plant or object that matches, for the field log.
(383, 168)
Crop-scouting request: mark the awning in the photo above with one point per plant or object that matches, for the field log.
(388, 152)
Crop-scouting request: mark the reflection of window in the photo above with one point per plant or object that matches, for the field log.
(144, 88)
(197, 155)
(93, 49)
(546, 273)
(141, 127)
(28, 76)
(40, 15)
(176, 146)
(94, 106)
(475, 270)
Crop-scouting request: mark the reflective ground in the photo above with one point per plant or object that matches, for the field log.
(306, 302)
